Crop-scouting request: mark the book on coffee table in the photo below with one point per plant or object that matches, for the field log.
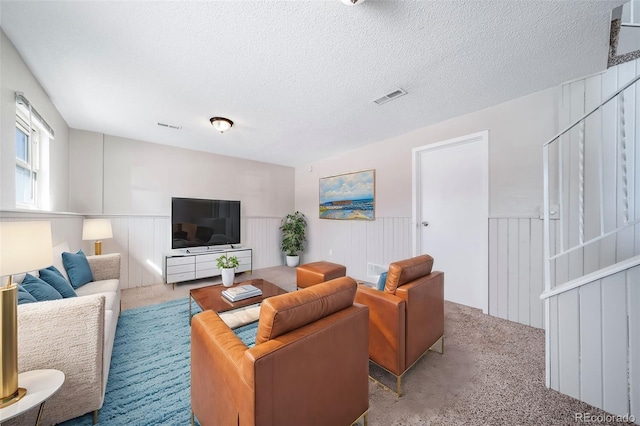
(242, 292)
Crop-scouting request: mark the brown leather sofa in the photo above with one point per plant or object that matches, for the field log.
(309, 365)
(407, 318)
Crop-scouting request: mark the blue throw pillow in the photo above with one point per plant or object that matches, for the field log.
(56, 271)
(382, 281)
(77, 267)
(39, 289)
(24, 296)
(54, 278)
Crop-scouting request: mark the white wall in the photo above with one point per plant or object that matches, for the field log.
(132, 182)
(517, 130)
(139, 178)
(15, 76)
(85, 171)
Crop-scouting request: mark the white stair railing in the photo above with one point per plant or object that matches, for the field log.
(591, 170)
(568, 160)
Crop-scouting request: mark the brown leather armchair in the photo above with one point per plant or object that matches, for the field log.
(309, 365)
(407, 318)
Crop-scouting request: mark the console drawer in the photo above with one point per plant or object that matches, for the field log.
(244, 267)
(202, 258)
(201, 266)
(176, 278)
(205, 273)
(179, 269)
(180, 260)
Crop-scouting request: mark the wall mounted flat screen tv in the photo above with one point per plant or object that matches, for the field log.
(201, 223)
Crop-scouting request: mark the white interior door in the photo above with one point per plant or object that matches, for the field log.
(451, 204)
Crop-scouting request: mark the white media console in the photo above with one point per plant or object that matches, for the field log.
(192, 264)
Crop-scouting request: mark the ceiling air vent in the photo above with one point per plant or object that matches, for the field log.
(390, 96)
(169, 126)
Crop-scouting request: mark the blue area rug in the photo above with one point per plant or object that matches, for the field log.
(149, 378)
(247, 333)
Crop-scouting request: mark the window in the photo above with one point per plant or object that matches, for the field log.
(32, 156)
(27, 163)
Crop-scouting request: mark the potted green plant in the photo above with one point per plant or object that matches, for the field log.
(293, 227)
(227, 266)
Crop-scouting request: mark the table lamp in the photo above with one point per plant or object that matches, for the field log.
(97, 229)
(24, 247)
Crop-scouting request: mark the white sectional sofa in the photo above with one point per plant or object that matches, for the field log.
(74, 335)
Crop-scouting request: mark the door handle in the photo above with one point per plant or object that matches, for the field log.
(425, 223)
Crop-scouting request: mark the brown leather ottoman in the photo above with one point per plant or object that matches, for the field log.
(318, 272)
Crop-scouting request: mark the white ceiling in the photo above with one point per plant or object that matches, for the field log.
(297, 77)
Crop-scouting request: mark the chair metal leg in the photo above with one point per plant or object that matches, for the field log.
(398, 389)
(363, 417)
(433, 348)
(192, 419)
(95, 417)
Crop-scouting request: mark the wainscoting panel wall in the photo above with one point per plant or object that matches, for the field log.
(515, 258)
(146, 239)
(356, 243)
(516, 269)
(143, 241)
(262, 234)
(515, 251)
(595, 342)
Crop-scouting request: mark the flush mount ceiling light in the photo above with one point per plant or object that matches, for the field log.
(221, 124)
(352, 2)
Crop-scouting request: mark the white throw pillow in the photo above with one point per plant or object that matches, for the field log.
(18, 278)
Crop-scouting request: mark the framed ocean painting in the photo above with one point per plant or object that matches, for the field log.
(350, 196)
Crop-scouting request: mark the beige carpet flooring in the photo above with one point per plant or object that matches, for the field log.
(491, 373)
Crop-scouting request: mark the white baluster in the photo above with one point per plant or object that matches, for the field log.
(623, 159)
(581, 183)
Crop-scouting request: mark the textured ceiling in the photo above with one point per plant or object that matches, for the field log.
(297, 77)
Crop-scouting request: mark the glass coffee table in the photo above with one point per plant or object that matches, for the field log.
(210, 297)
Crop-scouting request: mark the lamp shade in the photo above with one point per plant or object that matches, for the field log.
(24, 247)
(95, 229)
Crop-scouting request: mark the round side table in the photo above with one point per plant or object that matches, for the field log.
(40, 385)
